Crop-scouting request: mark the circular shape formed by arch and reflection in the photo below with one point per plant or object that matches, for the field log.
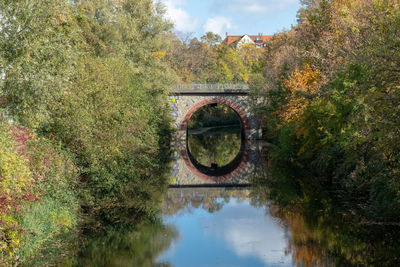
(230, 153)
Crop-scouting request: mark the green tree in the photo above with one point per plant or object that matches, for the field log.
(37, 52)
(210, 61)
(211, 38)
(89, 74)
(342, 125)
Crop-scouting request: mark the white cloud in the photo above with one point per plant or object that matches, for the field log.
(250, 233)
(253, 6)
(181, 19)
(218, 25)
(257, 238)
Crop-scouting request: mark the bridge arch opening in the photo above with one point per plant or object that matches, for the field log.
(210, 101)
(215, 149)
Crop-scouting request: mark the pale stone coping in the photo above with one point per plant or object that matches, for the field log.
(212, 87)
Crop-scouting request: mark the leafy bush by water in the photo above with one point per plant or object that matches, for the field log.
(38, 190)
(15, 186)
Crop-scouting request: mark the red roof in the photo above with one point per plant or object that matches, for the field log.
(230, 39)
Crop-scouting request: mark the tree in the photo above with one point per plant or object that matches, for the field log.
(331, 87)
(211, 38)
(89, 74)
(210, 61)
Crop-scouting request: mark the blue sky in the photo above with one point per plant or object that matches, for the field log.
(236, 17)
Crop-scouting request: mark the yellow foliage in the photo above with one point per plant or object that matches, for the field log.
(159, 54)
(15, 175)
(15, 179)
(302, 82)
(305, 80)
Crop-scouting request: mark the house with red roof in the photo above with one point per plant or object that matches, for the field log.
(237, 41)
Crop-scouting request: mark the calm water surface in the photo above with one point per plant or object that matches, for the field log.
(220, 227)
(240, 227)
(235, 227)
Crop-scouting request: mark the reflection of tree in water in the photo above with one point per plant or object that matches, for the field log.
(323, 232)
(218, 148)
(139, 247)
(333, 240)
(210, 199)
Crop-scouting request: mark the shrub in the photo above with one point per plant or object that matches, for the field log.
(15, 188)
(55, 178)
(37, 193)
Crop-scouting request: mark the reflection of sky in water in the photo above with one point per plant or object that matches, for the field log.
(237, 235)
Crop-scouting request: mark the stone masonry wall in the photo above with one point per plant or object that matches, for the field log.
(182, 108)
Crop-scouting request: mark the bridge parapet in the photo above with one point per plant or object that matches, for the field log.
(218, 88)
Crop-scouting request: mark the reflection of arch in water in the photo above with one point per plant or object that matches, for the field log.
(223, 173)
(229, 172)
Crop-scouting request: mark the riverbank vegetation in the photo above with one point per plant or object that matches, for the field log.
(87, 79)
(38, 193)
(331, 88)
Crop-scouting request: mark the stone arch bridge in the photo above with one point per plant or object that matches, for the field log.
(184, 102)
(187, 99)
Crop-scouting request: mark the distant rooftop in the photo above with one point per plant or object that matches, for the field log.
(257, 39)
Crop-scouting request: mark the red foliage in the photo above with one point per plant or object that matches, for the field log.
(3, 101)
(30, 197)
(10, 202)
(22, 136)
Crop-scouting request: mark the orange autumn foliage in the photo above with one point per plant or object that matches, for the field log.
(303, 84)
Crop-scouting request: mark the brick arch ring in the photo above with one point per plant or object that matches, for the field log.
(246, 125)
(209, 101)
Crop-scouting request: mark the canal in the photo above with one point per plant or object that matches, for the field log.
(269, 223)
(239, 227)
